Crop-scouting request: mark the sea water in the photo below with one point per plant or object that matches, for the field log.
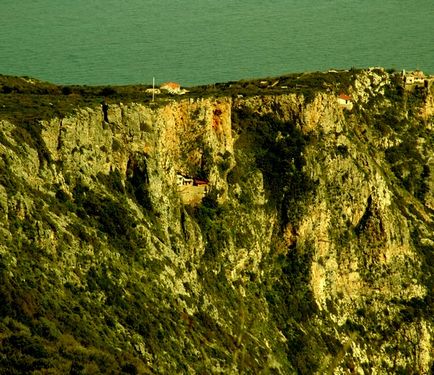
(205, 41)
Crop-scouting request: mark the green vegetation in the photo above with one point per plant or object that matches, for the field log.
(401, 122)
(109, 273)
(307, 84)
(25, 100)
(277, 148)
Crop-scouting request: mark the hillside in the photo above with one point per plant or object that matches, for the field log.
(311, 250)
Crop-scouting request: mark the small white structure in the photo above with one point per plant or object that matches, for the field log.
(413, 78)
(409, 80)
(173, 88)
(153, 91)
(419, 77)
(183, 181)
(345, 101)
(191, 190)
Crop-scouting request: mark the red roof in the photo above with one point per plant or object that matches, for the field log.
(171, 85)
(344, 97)
(200, 182)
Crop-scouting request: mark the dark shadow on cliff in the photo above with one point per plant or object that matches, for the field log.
(276, 149)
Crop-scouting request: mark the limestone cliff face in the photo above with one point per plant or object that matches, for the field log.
(311, 252)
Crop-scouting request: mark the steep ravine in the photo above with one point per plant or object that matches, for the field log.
(310, 253)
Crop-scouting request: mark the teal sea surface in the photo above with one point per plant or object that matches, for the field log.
(204, 41)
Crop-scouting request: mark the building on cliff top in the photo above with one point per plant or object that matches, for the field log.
(173, 88)
(413, 78)
(345, 101)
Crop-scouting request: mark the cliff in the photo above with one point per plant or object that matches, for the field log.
(311, 251)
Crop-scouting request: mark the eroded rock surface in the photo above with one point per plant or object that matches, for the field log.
(311, 251)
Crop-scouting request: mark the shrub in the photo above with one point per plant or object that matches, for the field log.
(66, 90)
(138, 181)
(212, 218)
(107, 215)
(107, 91)
(342, 150)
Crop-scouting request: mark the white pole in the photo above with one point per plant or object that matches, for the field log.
(153, 88)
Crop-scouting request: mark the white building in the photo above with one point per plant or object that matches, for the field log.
(183, 181)
(173, 88)
(413, 78)
(345, 101)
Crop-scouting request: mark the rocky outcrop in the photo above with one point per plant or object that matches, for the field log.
(309, 253)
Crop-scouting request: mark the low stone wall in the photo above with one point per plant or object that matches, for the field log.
(192, 194)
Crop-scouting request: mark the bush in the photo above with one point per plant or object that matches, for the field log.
(66, 90)
(138, 181)
(107, 215)
(212, 219)
(107, 91)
